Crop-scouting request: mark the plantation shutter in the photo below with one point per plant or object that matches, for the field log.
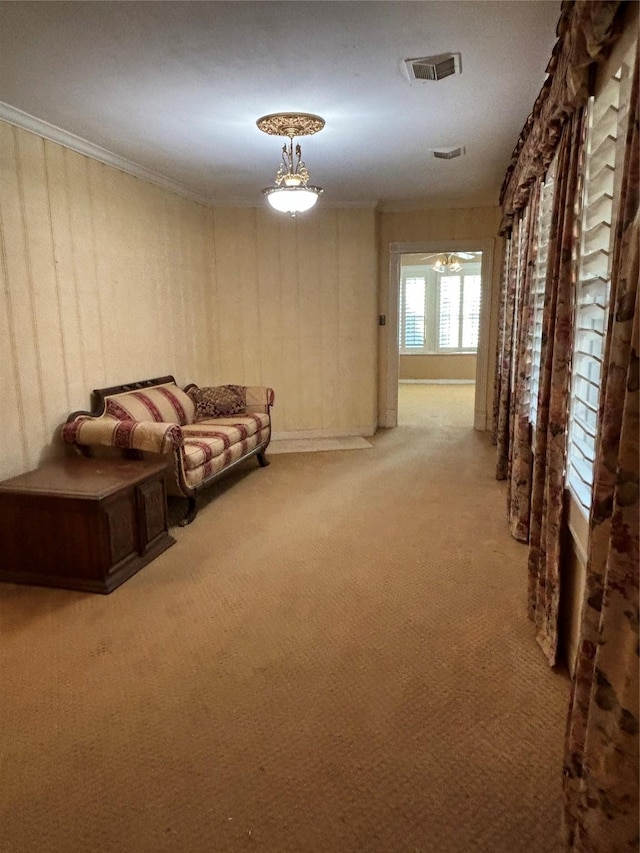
(449, 318)
(538, 287)
(604, 150)
(412, 312)
(470, 318)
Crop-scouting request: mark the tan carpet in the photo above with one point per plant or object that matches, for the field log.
(335, 657)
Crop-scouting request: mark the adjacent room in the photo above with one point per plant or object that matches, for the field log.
(319, 405)
(440, 302)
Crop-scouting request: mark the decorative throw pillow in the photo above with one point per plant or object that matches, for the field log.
(219, 401)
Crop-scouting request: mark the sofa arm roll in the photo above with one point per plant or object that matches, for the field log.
(259, 398)
(155, 437)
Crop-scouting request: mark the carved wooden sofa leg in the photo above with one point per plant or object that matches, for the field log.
(190, 514)
(262, 459)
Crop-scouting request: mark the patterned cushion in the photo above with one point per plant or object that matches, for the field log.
(212, 458)
(219, 401)
(162, 403)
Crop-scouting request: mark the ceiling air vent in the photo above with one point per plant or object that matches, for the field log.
(448, 153)
(433, 67)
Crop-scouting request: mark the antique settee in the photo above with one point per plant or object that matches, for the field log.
(203, 432)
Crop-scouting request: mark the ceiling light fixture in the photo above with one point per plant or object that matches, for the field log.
(448, 262)
(292, 192)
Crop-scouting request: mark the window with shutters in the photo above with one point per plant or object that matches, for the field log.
(597, 211)
(520, 247)
(413, 311)
(440, 312)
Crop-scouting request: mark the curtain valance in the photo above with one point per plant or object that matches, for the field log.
(586, 31)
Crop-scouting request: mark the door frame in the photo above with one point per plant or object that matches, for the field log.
(396, 250)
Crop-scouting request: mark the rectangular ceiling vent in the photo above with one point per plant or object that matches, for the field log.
(433, 67)
(448, 153)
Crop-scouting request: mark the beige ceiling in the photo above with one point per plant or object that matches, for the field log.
(176, 87)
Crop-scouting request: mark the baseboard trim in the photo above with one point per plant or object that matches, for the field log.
(437, 381)
(280, 435)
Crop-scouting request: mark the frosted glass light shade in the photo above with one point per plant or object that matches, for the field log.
(292, 199)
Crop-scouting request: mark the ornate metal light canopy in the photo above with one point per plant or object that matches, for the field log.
(292, 192)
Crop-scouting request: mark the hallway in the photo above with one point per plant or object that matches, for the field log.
(334, 658)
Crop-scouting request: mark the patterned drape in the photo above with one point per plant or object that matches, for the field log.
(501, 374)
(504, 366)
(552, 416)
(512, 433)
(601, 762)
(520, 453)
(586, 30)
(601, 758)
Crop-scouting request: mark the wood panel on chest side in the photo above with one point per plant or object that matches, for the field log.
(85, 524)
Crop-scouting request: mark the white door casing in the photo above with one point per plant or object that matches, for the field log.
(396, 250)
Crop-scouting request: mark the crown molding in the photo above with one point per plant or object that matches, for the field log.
(32, 124)
(23, 120)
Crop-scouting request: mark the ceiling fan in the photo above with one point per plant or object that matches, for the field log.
(449, 261)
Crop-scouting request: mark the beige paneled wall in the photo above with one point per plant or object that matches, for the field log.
(294, 306)
(415, 226)
(438, 367)
(107, 279)
(104, 279)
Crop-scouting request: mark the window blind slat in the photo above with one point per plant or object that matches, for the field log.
(545, 214)
(597, 216)
(601, 177)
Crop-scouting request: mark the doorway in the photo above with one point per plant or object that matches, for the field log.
(439, 337)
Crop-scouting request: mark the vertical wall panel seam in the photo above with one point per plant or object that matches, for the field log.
(285, 413)
(56, 277)
(32, 304)
(209, 261)
(338, 258)
(163, 291)
(184, 322)
(213, 298)
(299, 333)
(256, 264)
(13, 342)
(74, 267)
(95, 175)
(166, 291)
(190, 323)
(94, 263)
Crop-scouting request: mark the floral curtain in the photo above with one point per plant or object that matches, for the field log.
(601, 756)
(508, 332)
(586, 30)
(520, 453)
(512, 432)
(501, 375)
(552, 417)
(601, 760)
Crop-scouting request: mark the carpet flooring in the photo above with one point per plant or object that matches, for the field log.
(334, 658)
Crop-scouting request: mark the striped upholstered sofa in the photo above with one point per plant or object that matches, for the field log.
(203, 432)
